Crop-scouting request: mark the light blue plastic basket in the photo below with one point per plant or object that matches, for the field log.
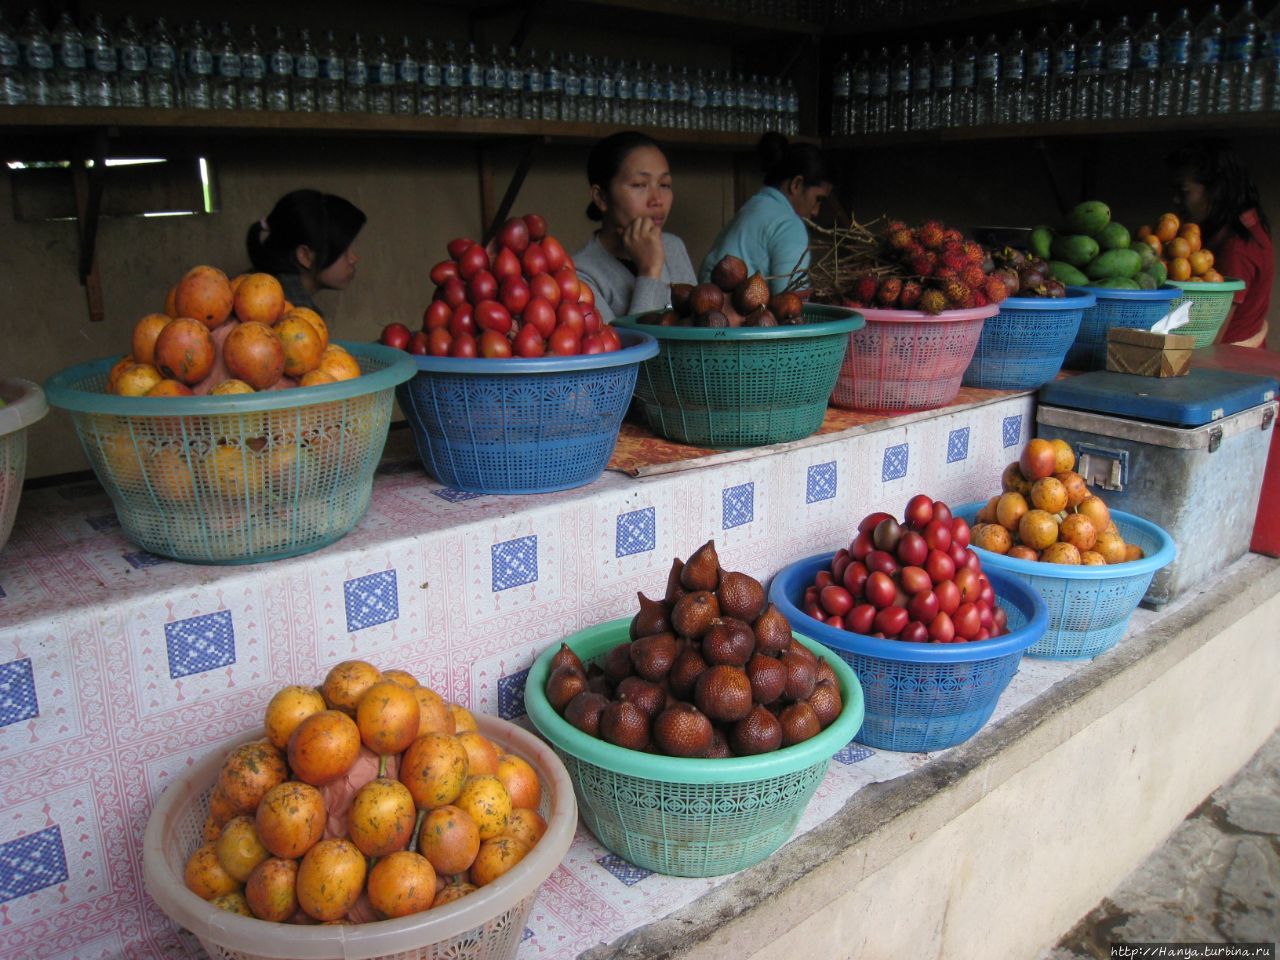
(1089, 606)
(921, 696)
(1137, 309)
(1023, 345)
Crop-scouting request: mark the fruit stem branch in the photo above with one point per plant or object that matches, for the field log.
(417, 827)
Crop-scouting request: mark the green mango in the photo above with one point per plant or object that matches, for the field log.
(1067, 274)
(1114, 263)
(1089, 217)
(1116, 283)
(1146, 253)
(1146, 281)
(1074, 249)
(1158, 271)
(1114, 236)
(1040, 242)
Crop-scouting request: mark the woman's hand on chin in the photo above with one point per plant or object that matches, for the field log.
(642, 239)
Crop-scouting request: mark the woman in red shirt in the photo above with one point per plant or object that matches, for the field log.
(1214, 190)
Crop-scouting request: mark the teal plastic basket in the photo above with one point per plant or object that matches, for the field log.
(240, 478)
(1210, 304)
(743, 386)
(684, 817)
(24, 405)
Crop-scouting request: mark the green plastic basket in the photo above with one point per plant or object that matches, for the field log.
(683, 817)
(240, 478)
(1210, 304)
(743, 386)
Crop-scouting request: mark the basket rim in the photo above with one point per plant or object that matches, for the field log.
(1163, 556)
(62, 392)
(365, 940)
(25, 404)
(1160, 293)
(1077, 298)
(1228, 285)
(598, 639)
(840, 320)
(880, 315)
(792, 578)
(641, 347)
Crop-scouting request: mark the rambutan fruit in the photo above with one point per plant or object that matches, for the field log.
(958, 294)
(909, 299)
(933, 301)
(979, 298)
(973, 277)
(954, 258)
(952, 235)
(890, 290)
(930, 234)
(865, 287)
(974, 252)
(996, 289)
(899, 239)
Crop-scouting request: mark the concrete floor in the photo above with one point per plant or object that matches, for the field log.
(1216, 879)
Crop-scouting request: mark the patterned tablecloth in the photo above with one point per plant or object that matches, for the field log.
(118, 668)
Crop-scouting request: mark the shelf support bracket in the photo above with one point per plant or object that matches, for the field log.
(88, 182)
(499, 216)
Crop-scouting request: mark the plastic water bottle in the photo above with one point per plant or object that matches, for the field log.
(1271, 54)
(745, 105)
(1206, 62)
(966, 100)
(197, 69)
(1239, 89)
(1013, 77)
(987, 101)
(639, 94)
(428, 82)
(279, 72)
(306, 74)
(13, 92)
(531, 95)
(382, 77)
(69, 63)
(450, 82)
(944, 78)
(1089, 70)
(590, 97)
(226, 70)
(332, 75)
(133, 65)
(162, 63)
(855, 117)
(793, 108)
(552, 88)
(1039, 64)
(922, 89)
(715, 102)
(1175, 66)
(684, 100)
(495, 84)
(1144, 88)
(355, 90)
(36, 53)
(570, 89)
(623, 91)
(253, 72)
(405, 99)
(699, 101)
(513, 72)
(841, 91)
(103, 63)
(606, 90)
(1115, 79)
(729, 103)
(900, 91)
(662, 92)
(878, 101)
(1062, 76)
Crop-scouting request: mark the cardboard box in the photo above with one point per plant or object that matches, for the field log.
(1149, 354)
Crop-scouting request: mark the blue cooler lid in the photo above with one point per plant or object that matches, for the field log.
(1200, 397)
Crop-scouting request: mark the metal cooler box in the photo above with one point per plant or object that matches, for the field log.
(1187, 453)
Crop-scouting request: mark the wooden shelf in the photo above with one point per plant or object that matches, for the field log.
(958, 12)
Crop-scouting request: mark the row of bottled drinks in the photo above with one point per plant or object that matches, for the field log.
(1181, 68)
(223, 70)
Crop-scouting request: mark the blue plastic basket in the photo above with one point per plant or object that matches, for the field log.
(921, 696)
(1136, 309)
(1089, 606)
(1023, 345)
(521, 425)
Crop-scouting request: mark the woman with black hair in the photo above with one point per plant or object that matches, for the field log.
(768, 233)
(306, 243)
(1213, 189)
(630, 262)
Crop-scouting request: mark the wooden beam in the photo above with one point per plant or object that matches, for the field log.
(513, 189)
(87, 182)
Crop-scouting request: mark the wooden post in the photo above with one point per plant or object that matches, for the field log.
(87, 183)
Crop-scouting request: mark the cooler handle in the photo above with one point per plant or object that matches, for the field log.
(1100, 467)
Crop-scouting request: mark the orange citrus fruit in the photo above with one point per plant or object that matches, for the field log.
(1179, 269)
(1200, 260)
(1177, 249)
(1167, 227)
(1037, 529)
(259, 298)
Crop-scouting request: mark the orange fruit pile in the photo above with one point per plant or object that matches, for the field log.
(1179, 247)
(370, 797)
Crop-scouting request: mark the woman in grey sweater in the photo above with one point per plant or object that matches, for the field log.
(629, 263)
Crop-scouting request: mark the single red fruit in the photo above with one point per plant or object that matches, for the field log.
(533, 260)
(396, 336)
(455, 291)
(482, 286)
(924, 606)
(494, 345)
(438, 342)
(419, 344)
(514, 295)
(567, 278)
(537, 226)
(569, 314)
(919, 511)
(855, 577)
(463, 345)
(914, 632)
(491, 315)
(880, 589)
(529, 342)
(459, 246)
(960, 531)
(565, 342)
(463, 320)
(473, 261)
(891, 620)
(556, 257)
(912, 549)
(937, 534)
(835, 600)
(860, 618)
(436, 315)
(444, 270)
(544, 285)
(871, 520)
(941, 629)
(514, 235)
(591, 343)
(542, 315)
(506, 264)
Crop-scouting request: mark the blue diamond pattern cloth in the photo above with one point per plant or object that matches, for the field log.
(144, 559)
(1011, 430)
(627, 872)
(527, 935)
(371, 600)
(821, 482)
(514, 562)
(455, 496)
(895, 462)
(511, 695)
(32, 863)
(105, 522)
(636, 532)
(17, 692)
(853, 753)
(200, 643)
(958, 445)
(738, 505)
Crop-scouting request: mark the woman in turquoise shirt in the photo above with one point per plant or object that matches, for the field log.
(768, 233)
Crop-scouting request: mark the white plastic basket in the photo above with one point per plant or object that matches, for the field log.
(485, 925)
(24, 405)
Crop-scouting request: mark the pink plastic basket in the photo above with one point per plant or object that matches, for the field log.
(908, 360)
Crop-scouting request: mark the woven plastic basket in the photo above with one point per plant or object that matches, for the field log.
(922, 696)
(1210, 304)
(1089, 607)
(683, 817)
(743, 386)
(521, 425)
(24, 404)
(1022, 346)
(488, 924)
(1138, 309)
(908, 360)
(237, 479)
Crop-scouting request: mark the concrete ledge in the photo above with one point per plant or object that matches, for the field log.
(999, 846)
